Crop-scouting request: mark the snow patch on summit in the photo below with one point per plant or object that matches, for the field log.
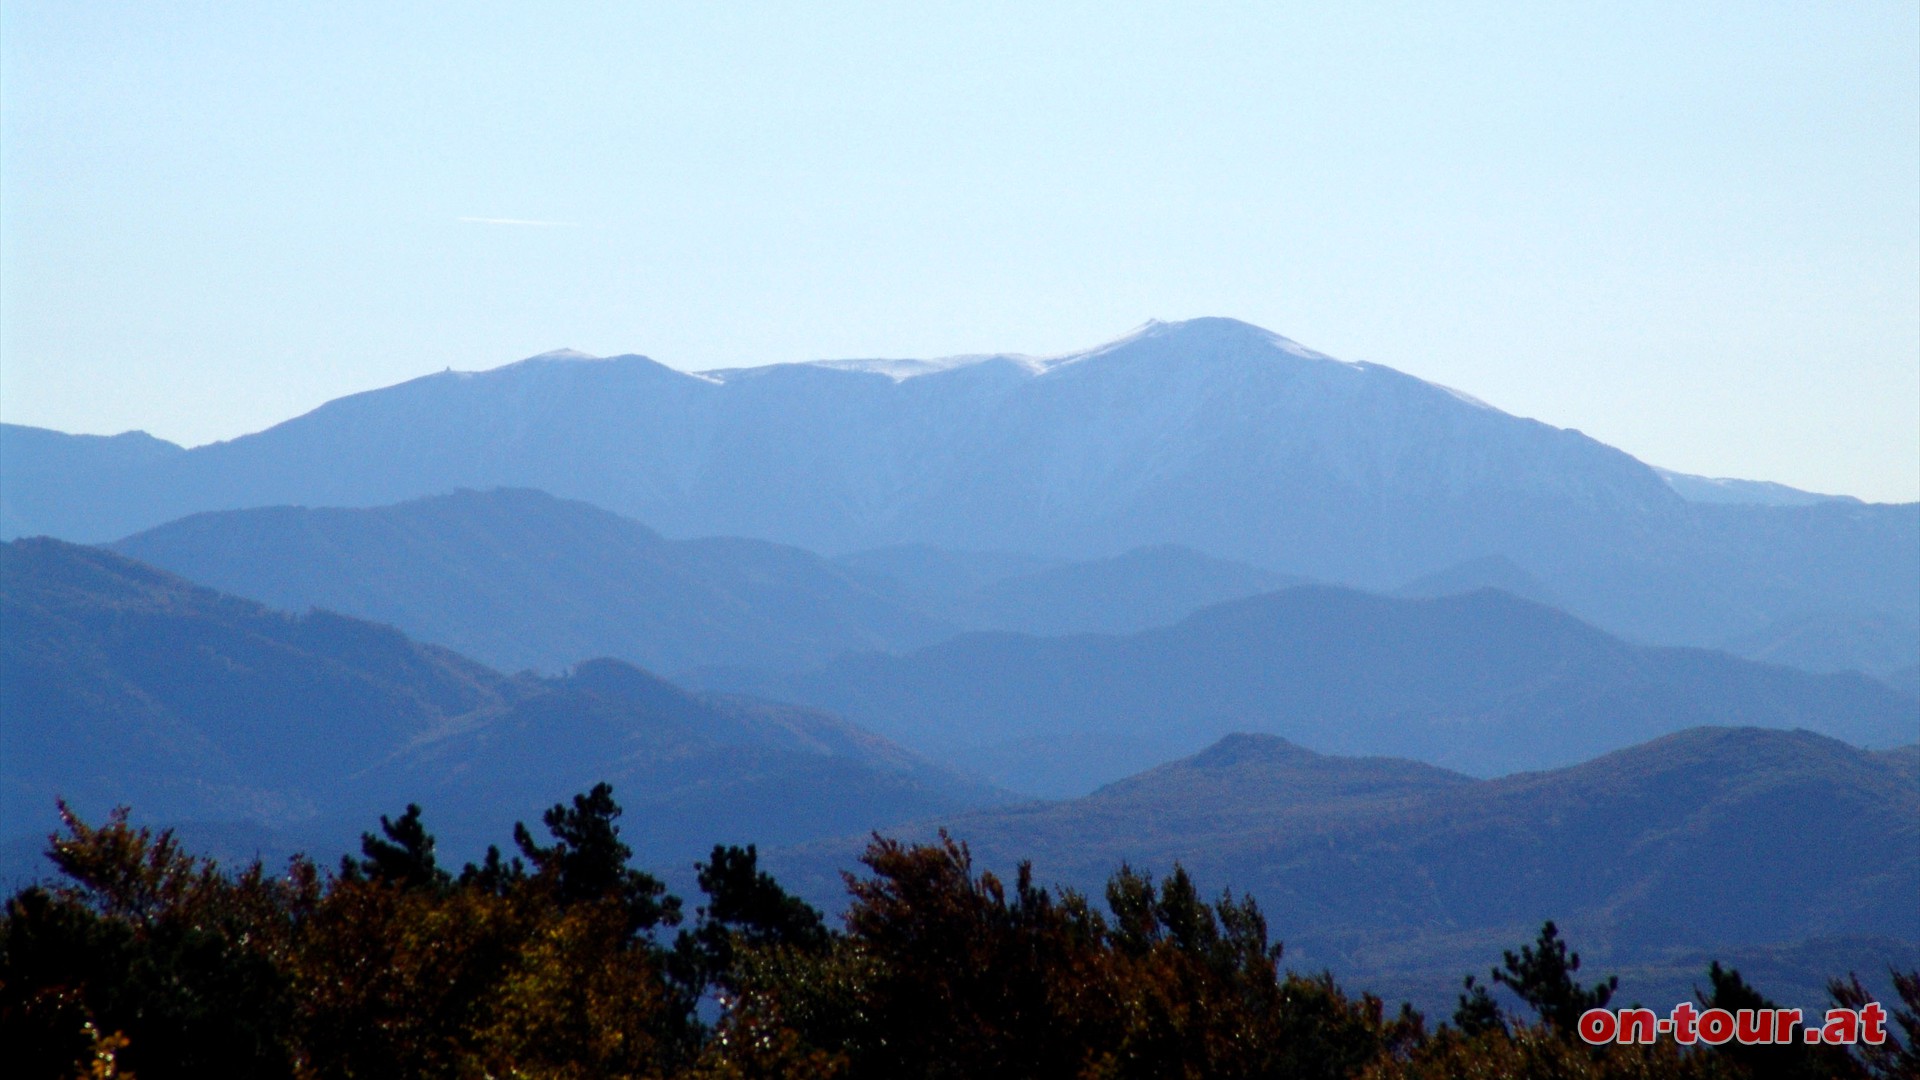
(1466, 397)
(902, 370)
(1722, 489)
(1211, 335)
(1212, 331)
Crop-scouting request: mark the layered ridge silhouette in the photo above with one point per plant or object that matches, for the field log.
(1211, 434)
(122, 684)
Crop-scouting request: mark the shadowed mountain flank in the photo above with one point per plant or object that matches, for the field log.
(520, 579)
(1210, 434)
(122, 684)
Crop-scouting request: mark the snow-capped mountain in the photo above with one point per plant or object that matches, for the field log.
(1210, 433)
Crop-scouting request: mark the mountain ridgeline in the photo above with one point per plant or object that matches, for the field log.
(520, 579)
(1399, 874)
(1483, 682)
(1210, 434)
(1417, 673)
(122, 684)
(1469, 677)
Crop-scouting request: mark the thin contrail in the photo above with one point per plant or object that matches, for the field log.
(519, 221)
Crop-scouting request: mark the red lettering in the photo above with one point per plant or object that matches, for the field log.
(1753, 1026)
(1842, 1026)
(1716, 1026)
(1873, 1024)
(1598, 1026)
(1684, 1016)
(1637, 1026)
(1784, 1021)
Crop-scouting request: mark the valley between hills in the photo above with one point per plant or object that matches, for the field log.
(1415, 673)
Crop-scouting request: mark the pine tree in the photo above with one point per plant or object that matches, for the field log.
(588, 861)
(1542, 974)
(1478, 1013)
(745, 909)
(748, 900)
(405, 858)
(1792, 1061)
(1899, 1057)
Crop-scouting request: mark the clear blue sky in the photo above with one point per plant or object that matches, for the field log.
(1690, 230)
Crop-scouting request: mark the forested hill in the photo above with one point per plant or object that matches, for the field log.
(1483, 682)
(1400, 876)
(120, 683)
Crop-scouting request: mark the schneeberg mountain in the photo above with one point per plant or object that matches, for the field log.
(1211, 433)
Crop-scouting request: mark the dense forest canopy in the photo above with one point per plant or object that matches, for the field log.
(561, 959)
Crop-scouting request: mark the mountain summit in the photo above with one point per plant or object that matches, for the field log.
(1192, 340)
(1209, 433)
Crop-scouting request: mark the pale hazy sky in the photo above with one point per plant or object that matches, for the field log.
(1690, 230)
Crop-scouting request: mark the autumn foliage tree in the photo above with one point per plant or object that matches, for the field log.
(947, 972)
(147, 944)
(556, 963)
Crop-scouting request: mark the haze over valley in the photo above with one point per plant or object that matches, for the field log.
(1199, 595)
(653, 541)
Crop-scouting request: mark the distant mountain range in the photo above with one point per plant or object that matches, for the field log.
(268, 731)
(1482, 682)
(1135, 590)
(1403, 877)
(519, 579)
(1209, 434)
(1489, 684)
(120, 683)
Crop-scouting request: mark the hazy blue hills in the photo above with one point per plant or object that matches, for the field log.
(1879, 643)
(72, 485)
(520, 579)
(1488, 572)
(1906, 679)
(934, 577)
(691, 770)
(120, 683)
(1403, 877)
(1135, 590)
(1482, 682)
(1210, 434)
